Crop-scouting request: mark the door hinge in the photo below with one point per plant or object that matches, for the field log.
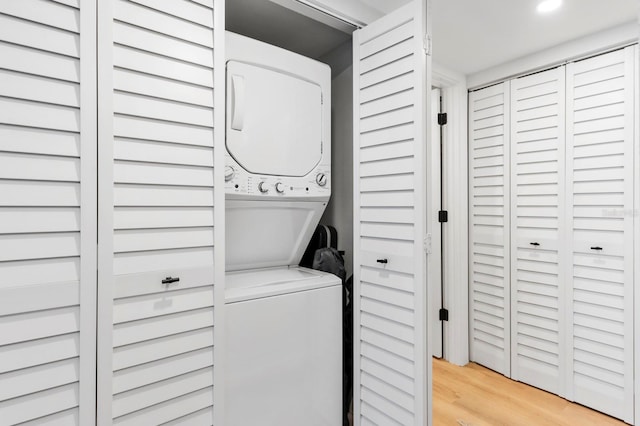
(427, 45)
(443, 314)
(427, 244)
(443, 216)
(442, 118)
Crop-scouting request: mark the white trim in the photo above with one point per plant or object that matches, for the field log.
(356, 13)
(356, 229)
(511, 248)
(557, 55)
(88, 212)
(445, 77)
(434, 259)
(507, 228)
(456, 233)
(567, 269)
(636, 255)
(468, 168)
(323, 14)
(104, 401)
(564, 257)
(423, 33)
(219, 212)
(631, 114)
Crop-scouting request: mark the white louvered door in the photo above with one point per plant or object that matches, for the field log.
(489, 205)
(600, 148)
(47, 212)
(157, 275)
(392, 376)
(555, 275)
(537, 229)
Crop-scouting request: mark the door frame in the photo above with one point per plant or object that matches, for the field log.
(434, 227)
(220, 117)
(453, 88)
(636, 213)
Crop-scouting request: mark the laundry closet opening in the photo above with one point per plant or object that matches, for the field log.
(329, 42)
(372, 163)
(288, 148)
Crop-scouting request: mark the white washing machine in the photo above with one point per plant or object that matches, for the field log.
(283, 328)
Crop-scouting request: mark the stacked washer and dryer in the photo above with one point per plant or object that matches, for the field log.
(283, 323)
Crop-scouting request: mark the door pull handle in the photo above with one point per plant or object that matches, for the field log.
(170, 280)
(383, 261)
(535, 244)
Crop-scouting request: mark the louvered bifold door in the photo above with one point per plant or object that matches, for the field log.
(47, 212)
(390, 322)
(156, 76)
(489, 227)
(600, 148)
(537, 226)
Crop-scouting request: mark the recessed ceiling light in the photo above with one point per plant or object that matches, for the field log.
(548, 5)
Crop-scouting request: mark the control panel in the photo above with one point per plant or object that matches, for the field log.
(240, 182)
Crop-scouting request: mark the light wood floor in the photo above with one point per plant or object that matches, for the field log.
(476, 396)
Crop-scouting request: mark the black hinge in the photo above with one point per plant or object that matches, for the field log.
(443, 216)
(444, 314)
(442, 118)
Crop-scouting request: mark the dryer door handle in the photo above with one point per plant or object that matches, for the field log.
(237, 102)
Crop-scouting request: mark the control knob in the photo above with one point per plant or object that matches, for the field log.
(229, 172)
(280, 187)
(262, 187)
(321, 179)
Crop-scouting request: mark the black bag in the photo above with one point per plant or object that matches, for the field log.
(323, 236)
(328, 259)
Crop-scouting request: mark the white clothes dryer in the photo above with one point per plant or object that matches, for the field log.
(283, 323)
(278, 159)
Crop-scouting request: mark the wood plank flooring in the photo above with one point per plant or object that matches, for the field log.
(476, 396)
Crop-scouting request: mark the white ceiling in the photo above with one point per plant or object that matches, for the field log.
(468, 35)
(473, 35)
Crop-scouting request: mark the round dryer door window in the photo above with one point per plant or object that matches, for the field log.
(274, 121)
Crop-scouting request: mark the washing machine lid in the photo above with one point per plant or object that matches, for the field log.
(261, 283)
(274, 120)
(268, 233)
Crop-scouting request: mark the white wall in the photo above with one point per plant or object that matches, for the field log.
(339, 212)
(556, 55)
(339, 59)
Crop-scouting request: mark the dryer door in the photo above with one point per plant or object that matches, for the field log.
(274, 121)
